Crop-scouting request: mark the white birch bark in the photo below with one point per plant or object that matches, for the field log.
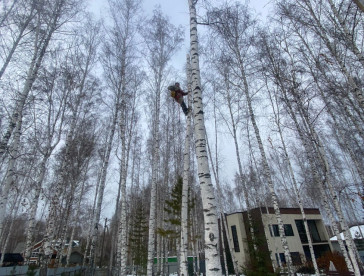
(223, 225)
(267, 175)
(39, 51)
(14, 212)
(20, 35)
(327, 184)
(211, 231)
(102, 184)
(315, 173)
(295, 186)
(49, 236)
(124, 168)
(53, 137)
(7, 12)
(162, 40)
(76, 219)
(9, 179)
(233, 132)
(348, 36)
(34, 208)
(153, 193)
(320, 30)
(183, 268)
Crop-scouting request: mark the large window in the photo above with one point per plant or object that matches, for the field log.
(296, 258)
(313, 231)
(235, 238)
(288, 231)
(301, 231)
(319, 250)
(315, 235)
(280, 258)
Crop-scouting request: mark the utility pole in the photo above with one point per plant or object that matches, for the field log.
(102, 245)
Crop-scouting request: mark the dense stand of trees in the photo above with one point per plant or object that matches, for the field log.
(87, 127)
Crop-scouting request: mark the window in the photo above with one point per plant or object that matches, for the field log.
(301, 231)
(314, 233)
(296, 258)
(288, 231)
(235, 238)
(281, 259)
(275, 230)
(319, 250)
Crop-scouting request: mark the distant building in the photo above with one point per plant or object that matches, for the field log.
(266, 229)
(37, 250)
(357, 233)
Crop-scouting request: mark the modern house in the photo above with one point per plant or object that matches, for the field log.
(75, 259)
(267, 237)
(357, 233)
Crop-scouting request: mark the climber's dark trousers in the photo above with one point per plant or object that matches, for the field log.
(184, 107)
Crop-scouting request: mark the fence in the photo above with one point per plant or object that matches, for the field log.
(23, 271)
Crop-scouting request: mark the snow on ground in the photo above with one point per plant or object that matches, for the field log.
(355, 233)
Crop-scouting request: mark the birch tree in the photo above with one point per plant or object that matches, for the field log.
(211, 231)
(48, 129)
(162, 40)
(83, 87)
(54, 14)
(21, 14)
(186, 171)
(118, 64)
(236, 28)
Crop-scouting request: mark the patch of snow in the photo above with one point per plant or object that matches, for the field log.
(355, 233)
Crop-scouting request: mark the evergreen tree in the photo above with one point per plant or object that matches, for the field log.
(138, 240)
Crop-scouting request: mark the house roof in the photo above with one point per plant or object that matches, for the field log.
(355, 233)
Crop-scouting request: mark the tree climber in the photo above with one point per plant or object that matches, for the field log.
(177, 93)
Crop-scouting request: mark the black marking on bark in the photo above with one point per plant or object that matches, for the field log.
(211, 237)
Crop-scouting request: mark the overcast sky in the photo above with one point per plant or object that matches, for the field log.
(177, 11)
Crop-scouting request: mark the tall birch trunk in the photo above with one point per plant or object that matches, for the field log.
(40, 47)
(267, 175)
(102, 184)
(153, 193)
(211, 230)
(320, 30)
(295, 186)
(183, 268)
(54, 203)
(223, 225)
(75, 219)
(325, 200)
(33, 209)
(348, 36)
(233, 132)
(17, 41)
(13, 216)
(327, 184)
(9, 179)
(124, 168)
